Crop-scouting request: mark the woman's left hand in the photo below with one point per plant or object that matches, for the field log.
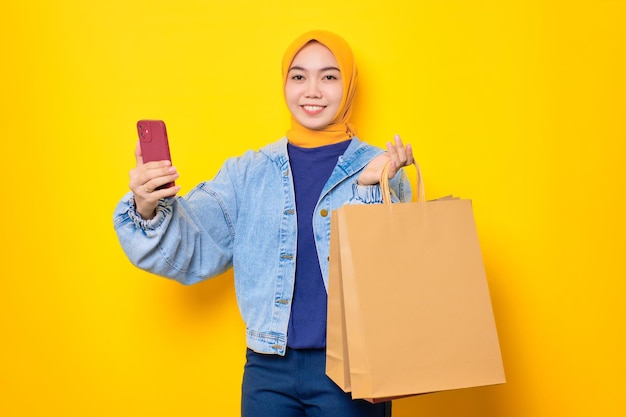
(399, 155)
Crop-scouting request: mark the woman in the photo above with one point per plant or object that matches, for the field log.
(267, 214)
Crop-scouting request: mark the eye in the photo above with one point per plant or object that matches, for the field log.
(297, 77)
(331, 75)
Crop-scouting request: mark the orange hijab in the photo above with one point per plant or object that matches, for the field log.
(340, 128)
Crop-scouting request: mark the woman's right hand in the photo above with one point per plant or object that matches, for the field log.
(144, 181)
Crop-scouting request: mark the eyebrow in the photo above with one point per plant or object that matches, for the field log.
(296, 68)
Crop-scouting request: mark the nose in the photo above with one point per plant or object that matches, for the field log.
(312, 89)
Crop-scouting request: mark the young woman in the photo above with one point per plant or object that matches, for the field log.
(267, 214)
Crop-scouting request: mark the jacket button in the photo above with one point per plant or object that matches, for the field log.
(324, 212)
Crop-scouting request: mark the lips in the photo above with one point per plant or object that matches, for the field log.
(312, 110)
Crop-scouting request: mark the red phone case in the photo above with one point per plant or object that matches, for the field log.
(153, 142)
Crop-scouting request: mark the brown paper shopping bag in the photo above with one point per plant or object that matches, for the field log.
(409, 308)
(337, 361)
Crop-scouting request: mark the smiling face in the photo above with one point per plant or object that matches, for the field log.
(313, 89)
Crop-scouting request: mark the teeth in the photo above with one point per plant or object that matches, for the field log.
(313, 108)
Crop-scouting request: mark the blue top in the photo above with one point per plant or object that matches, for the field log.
(245, 218)
(311, 168)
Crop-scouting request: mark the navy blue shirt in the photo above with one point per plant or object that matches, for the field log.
(311, 168)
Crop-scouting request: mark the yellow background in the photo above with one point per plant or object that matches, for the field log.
(518, 105)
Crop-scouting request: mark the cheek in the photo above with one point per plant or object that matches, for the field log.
(291, 93)
(291, 98)
(337, 95)
(336, 90)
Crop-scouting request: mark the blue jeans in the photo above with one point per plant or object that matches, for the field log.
(296, 385)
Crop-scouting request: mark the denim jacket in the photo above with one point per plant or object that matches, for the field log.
(245, 218)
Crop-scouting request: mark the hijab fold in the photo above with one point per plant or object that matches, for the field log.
(340, 128)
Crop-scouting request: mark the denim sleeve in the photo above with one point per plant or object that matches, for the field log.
(175, 244)
(399, 186)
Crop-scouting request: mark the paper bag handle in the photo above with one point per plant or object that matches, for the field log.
(384, 184)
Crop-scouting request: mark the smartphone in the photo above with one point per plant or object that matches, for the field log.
(154, 143)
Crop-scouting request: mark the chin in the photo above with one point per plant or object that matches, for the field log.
(314, 126)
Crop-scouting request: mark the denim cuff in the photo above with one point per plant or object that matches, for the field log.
(366, 194)
(163, 209)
